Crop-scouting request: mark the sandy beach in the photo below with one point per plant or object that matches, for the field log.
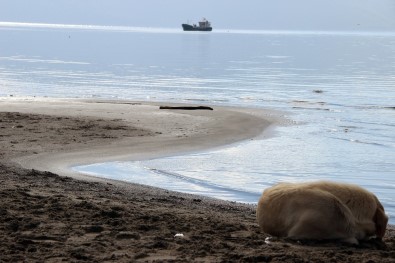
(51, 214)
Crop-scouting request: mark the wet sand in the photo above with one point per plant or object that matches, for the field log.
(50, 214)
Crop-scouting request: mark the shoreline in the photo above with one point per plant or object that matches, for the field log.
(46, 216)
(173, 132)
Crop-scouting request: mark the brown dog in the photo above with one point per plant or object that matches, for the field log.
(321, 210)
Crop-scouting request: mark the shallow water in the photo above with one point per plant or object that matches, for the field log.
(338, 88)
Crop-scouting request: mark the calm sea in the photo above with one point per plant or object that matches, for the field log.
(337, 87)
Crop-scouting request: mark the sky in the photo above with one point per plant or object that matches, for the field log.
(372, 15)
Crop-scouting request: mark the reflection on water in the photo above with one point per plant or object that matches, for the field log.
(241, 172)
(337, 87)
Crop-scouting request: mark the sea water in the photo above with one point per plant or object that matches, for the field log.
(338, 89)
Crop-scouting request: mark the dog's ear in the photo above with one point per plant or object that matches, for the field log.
(380, 219)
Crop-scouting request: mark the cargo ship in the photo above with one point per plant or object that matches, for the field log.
(204, 25)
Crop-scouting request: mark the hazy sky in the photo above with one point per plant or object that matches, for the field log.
(224, 14)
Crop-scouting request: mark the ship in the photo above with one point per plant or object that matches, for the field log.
(204, 25)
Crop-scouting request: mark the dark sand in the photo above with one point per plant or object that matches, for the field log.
(45, 217)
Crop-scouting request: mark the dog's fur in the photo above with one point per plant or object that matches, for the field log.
(321, 210)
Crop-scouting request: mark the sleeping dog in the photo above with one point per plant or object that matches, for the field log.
(321, 210)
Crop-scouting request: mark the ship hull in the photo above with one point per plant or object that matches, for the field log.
(187, 27)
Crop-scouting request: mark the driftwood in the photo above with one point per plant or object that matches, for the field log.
(185, 108)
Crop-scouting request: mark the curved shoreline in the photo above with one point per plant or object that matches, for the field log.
(175, 132)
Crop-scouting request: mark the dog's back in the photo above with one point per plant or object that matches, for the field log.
(321, 210)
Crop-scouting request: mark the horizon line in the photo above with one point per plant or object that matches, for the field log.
(142, 29)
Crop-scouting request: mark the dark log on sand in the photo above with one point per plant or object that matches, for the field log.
(185, 108)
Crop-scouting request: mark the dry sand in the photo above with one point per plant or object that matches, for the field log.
(47, 217)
